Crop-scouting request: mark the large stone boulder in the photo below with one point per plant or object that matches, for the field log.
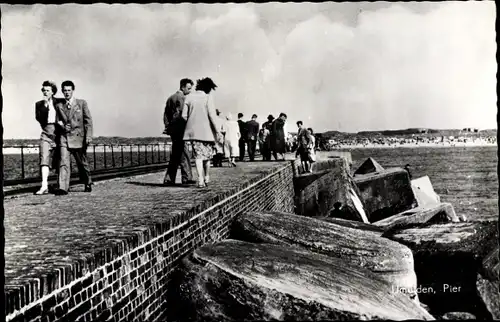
(391, 261)
(386, 193)
(235, 281)
(448, 258)
(437, 213)
(331, 182)
(367, 228)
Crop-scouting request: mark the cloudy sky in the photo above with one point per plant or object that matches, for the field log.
(336, 66)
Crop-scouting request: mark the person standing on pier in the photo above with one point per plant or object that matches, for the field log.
(231, 139)
(252, 127)
(303, 140)
(75, 139)
(202, 128)
(311, 149)
(219, 146)
(46, 115)
(266, 138)
(278, 142)
(174, 126)
(243, 132)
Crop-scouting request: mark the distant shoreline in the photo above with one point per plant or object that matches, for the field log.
(412, 146)
(100, 149)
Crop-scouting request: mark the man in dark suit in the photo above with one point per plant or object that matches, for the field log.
(174, 126)
(243, 136)
(252, 127)
(46, 115)
(75, 138)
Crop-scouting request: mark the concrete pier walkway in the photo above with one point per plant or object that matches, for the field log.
(46, 235)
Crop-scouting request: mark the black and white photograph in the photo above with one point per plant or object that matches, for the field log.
(250, 161)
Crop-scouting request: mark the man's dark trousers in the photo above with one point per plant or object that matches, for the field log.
(252, 145)
(179, 156)
(80, 155)
(241, 144)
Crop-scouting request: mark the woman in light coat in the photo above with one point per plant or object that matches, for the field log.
(232, 138)
(219, 146)
(202, 129)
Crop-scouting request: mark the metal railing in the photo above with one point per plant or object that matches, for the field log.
(21, 164)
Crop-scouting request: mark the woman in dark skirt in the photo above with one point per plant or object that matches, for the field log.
(278, 141)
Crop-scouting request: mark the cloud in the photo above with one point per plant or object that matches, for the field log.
(357, 66)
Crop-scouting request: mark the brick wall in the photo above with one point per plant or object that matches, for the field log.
(129, 281)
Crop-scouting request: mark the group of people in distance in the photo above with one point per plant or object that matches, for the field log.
(271, 137)
(191, 119)
(66, 130)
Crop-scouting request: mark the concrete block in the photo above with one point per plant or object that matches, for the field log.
(424, 192)
(369, 166)
(437, 213)
(385, 193)
(448, 260)
(330, 182)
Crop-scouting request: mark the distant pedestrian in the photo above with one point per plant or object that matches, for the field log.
(252, 128)
(201, 127)
(268, 124)
(278, 141)
(265, 143)
(311, 149)
(77, 136)
(174, 126)
(231, 139)
(267, 138)
(407, 168)
(219, 146)
(46, 114)
(304, 141)
(243, 132)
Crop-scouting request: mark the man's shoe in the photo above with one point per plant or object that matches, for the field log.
(168, 183)
(189, 182)
(88, 188)
(60, 192)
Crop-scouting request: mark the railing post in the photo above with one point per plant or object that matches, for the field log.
(164, 152)
(131, 156)
(113, 156)
(145, 154)
(138, 154)
(105, 165)
(122, 154)
(158, 151)
(95, 161)
(22, 162)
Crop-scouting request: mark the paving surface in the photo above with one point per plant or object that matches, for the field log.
(44, 232)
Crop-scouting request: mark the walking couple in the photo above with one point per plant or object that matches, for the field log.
(191, 117)
(66, 130)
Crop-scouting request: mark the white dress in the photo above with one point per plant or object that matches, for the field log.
(231, 139)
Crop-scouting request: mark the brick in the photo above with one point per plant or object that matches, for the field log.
(33, 312)
(76, 288)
